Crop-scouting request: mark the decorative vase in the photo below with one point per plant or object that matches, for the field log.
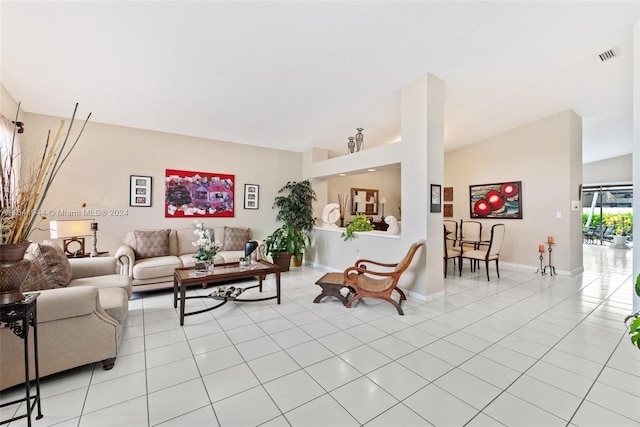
(359, 139)
(13, 270)
(351, 144)
(209, 266)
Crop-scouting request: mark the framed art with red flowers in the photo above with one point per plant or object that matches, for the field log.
(198, 194)
(500, 200)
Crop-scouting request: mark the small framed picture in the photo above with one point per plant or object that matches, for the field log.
(448, 210)
(251, 196)
(140, 191)
(436, 198)
(447, 196)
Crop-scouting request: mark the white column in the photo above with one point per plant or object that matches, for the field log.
(636, 160)
(422, 128)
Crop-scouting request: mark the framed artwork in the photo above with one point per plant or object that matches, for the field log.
(198, 194)
(251, 196)
(364, 200)
(140, 190)
(447, 196)
(447, 211)
(436, 198)
(500, 200)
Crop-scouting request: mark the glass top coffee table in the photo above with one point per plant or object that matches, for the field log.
(183, 277)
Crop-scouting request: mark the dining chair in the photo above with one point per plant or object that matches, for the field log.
(450, 250)
(491, 253)
(451, 230)
(470, 235)
(470, 232)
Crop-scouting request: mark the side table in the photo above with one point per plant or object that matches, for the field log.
(18, 316)
(332, 284)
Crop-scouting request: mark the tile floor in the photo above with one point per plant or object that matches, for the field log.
(521, 350)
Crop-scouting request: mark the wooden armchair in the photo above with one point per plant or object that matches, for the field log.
(378, 284)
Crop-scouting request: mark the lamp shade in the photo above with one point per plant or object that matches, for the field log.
(70, 228)
(383, 200)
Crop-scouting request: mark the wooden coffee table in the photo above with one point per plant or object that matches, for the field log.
(332, 284)
(183, 277)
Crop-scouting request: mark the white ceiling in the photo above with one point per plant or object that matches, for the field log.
(295, 75)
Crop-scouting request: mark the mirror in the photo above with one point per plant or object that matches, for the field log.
(364, 201)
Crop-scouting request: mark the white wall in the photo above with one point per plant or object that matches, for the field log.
(615, 170)
(98, 173)
(422, 126)
(543, 156)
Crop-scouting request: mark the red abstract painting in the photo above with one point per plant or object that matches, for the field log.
(198, 194)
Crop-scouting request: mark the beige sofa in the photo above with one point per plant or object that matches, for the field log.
(150, 257)
(81, 310)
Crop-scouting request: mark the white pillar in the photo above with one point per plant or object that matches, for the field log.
(636, 160)
(422, 128)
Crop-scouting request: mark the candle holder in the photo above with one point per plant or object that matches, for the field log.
(552, 269)
(541, 269)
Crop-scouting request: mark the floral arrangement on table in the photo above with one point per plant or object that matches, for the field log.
(22, 196)
(207, 248)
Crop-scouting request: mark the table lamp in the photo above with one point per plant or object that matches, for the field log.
(383, 200)
(71, 231)
(357, 199)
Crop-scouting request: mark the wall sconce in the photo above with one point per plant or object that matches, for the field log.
(72, 231)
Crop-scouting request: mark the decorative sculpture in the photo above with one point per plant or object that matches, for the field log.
(394, 227)
(330, 214)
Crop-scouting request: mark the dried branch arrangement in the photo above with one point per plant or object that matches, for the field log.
(343, 199)
(22, 197)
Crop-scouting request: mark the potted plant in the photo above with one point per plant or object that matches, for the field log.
(634, 326)
(360, 222)
(295, 209)
(283, 243)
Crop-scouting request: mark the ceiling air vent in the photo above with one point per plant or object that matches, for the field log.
(608, 54)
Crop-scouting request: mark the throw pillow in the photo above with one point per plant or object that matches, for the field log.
(235, 239)
(151, 244)
(36, 279)
(54, 263)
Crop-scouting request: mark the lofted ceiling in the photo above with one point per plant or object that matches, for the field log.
(295, 75)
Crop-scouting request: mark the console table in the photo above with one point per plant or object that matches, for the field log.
(18, 316)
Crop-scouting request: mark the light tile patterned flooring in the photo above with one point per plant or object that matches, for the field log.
(521, 350)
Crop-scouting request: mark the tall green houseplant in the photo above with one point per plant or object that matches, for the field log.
(295, 209)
